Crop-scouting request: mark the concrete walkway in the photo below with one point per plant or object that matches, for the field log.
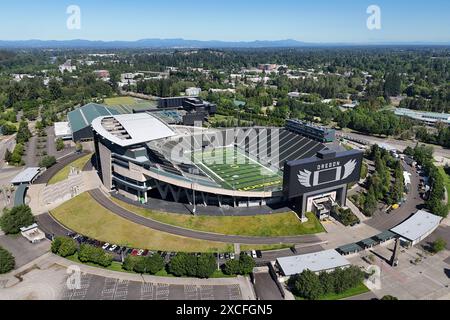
(356, 211)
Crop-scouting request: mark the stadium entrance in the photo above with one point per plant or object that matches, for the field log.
(320, 183)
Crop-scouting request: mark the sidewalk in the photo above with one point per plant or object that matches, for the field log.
(356, 211)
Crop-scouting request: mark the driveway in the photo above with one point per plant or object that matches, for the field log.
(23, 251)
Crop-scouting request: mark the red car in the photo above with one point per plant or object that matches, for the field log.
(134, 253)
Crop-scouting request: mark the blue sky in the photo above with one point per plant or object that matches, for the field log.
(237, 20)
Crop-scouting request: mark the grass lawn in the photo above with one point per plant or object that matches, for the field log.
(84, 215)
(63, 174)
(120, 101)
(282, 224)
(347, 294)
(447, 184)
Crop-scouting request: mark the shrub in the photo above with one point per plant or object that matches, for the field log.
(129, 263)
(7, 261)
(47, 161)
(60, 144)
(308, 286)
(231, 267)
(16, 218)
(183, 264)
(439, 245)
(64, 246)
(151, 264)
(88, 253)
(389, 298)
(243, 266)
(206, 265)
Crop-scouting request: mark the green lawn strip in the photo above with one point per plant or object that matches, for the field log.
(447, 184)
(63, 174)
(117, 266)
(84, 215)
(356, 291)
(283, 224)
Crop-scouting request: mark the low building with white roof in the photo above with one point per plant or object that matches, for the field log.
(417, 228)
(327, 260)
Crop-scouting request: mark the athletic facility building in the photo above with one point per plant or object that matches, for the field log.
(142, 157)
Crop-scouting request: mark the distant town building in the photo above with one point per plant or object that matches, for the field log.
(193, 91)
(67, 67)
(102, 74)
(311, 131)
(423, 116)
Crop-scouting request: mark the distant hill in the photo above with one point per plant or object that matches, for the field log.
(182, 43)
(148, 43)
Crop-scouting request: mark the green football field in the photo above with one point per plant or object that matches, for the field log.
(234, 170)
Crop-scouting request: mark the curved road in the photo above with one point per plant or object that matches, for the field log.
(103, 200)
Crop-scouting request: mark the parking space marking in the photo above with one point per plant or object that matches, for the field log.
(3, 283)
(207, 293)
(162, 291)
(147, 291)
(234, 292)
(109, 289)
(121, 291)
(191, 292)
(78, 294)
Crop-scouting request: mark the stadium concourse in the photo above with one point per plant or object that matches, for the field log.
(140, 157)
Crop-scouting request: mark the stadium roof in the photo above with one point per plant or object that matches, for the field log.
(315, 262)
(26, 176)
(419, 225)
(83, 117)
(131, 129)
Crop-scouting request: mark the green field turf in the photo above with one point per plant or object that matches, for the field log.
(234, 170)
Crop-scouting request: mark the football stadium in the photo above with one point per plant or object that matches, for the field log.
(142, 157)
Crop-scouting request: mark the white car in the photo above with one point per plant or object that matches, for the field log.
(140, 252)
(113, 247)
(105, 246)
(254, 256)
(232, 256)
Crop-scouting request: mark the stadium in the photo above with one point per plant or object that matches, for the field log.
(141, 157)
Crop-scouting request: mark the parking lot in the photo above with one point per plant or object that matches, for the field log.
(23, 251)
(99, 288)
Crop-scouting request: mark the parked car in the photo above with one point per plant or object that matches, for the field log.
(140, 252)
(232, 256)
(227, 256)
(145, 253)
(113, 247)
(259, 254)
(254, 254)
(105, 246)
(134, 253)
(221, 256)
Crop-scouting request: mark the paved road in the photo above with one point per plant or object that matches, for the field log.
(111, 206)
(31, 160)
(7, 143)
(414, 202)
(49, 173)
(398, 144)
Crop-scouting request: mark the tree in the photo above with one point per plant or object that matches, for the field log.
(64, 246)
(79, 147)
(16, 218)
(206, 265)
(88, 253)
(130, 262)
(388, 297)
(8, 155)
(60, 144)
(307, 285)
(327, 279)
(183, 264)
(231, 267)
(439, 245)
(246, 264)
(152, 264)
(7, 261)
(47, 161)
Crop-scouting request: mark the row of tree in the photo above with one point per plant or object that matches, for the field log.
(311, 286)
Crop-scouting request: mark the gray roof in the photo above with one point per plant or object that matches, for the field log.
(315, 262)
(19, 195)
(26, 176)
(419, 225)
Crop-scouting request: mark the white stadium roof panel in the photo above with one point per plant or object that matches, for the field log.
(131, 129)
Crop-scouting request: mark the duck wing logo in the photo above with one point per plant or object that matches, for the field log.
(304, 177)
(349, 168)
